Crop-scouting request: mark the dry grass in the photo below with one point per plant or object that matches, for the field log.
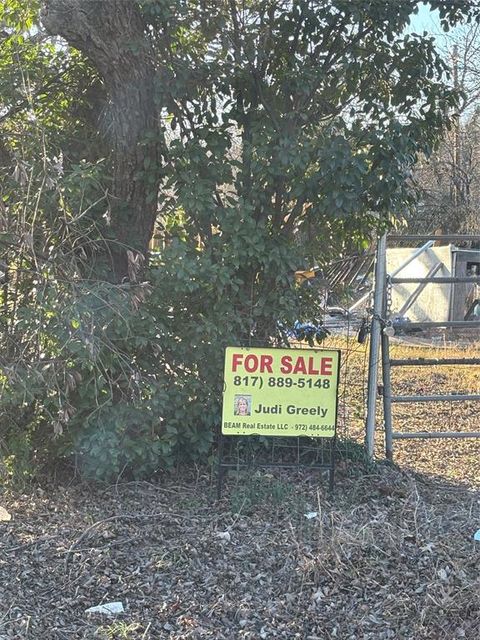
(456, 460)
(392, 556)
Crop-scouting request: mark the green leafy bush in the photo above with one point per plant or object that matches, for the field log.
(282, 134)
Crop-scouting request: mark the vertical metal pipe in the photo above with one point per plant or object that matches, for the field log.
(387, 385)
(378, 305)
(453, 291)
(386, 372)
(387, 397)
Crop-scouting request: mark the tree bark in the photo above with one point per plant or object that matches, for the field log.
(112, 36)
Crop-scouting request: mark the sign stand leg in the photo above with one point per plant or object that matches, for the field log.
(333, 448)
(220, 467)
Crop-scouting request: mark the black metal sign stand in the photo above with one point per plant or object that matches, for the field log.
(223, 467)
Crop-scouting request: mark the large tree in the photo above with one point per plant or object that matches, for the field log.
(114, 38)
(330, 101)
(258, 136)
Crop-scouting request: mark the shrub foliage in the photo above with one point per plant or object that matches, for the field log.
(279, 134)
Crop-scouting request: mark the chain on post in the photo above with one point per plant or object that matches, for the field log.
(369, 308)
(389, 298)
(366, 320)
(388, 327)
(386, 322)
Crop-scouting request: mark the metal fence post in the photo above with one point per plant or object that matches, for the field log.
(387, 397)
(375, 335)
(387, 383)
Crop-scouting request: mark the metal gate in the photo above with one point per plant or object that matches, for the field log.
(383, 328)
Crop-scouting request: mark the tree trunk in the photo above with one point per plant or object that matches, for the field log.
(112, 35)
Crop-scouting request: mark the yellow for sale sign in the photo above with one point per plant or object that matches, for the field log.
(280, 392)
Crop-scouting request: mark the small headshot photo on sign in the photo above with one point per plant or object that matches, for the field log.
(242, 405)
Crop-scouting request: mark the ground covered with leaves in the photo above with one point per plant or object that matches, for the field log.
(390, 555)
